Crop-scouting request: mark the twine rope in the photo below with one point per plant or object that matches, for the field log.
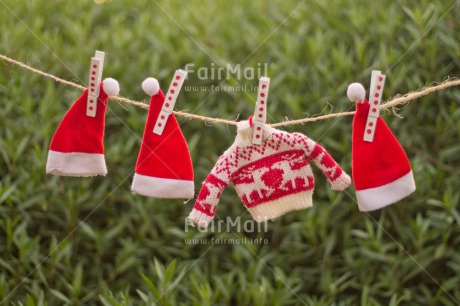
(392, 103)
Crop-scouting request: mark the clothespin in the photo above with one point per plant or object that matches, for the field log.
(375, 97)
(260, 111)
(170, 100)
(95, 77)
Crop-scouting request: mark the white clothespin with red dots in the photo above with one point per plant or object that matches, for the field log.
(260, 111)
(95, 77)
(375, 98)
(170, 100)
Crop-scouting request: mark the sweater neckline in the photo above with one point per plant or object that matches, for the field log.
(245, 132)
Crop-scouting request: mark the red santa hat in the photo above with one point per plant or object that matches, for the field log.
(164, 166)
(381, 171)
(77, 147)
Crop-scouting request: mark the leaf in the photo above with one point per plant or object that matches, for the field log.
(21, 147)
(77, 280)
(88, 230)
(159, 269)
(60, 296)
(169, 273)
(30, 300)
(142, 295)
(5, 194)
(151, 286)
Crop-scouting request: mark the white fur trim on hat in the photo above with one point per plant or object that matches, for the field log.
(75, 164)
(379, 197)
(156, 187)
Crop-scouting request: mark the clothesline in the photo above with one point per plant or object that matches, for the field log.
(399, 100)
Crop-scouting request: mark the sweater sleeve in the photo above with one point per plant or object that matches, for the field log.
(206, 203)
(324, 161)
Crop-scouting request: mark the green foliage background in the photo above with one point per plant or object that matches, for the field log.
(89, 241)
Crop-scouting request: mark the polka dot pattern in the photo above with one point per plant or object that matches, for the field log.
(171, 97)
(260, 111)
(94, 83)
(375, 98)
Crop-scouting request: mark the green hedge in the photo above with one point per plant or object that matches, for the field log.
(89, 241)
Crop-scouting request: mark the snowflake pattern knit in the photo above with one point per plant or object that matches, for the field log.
(271, 179)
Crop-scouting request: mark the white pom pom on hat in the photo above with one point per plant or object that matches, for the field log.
(151, 86)
(356, 92)
(111, 87)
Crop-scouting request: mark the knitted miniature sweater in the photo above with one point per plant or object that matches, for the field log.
(271, 179)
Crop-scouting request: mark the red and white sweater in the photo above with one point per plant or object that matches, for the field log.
(271, 179)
